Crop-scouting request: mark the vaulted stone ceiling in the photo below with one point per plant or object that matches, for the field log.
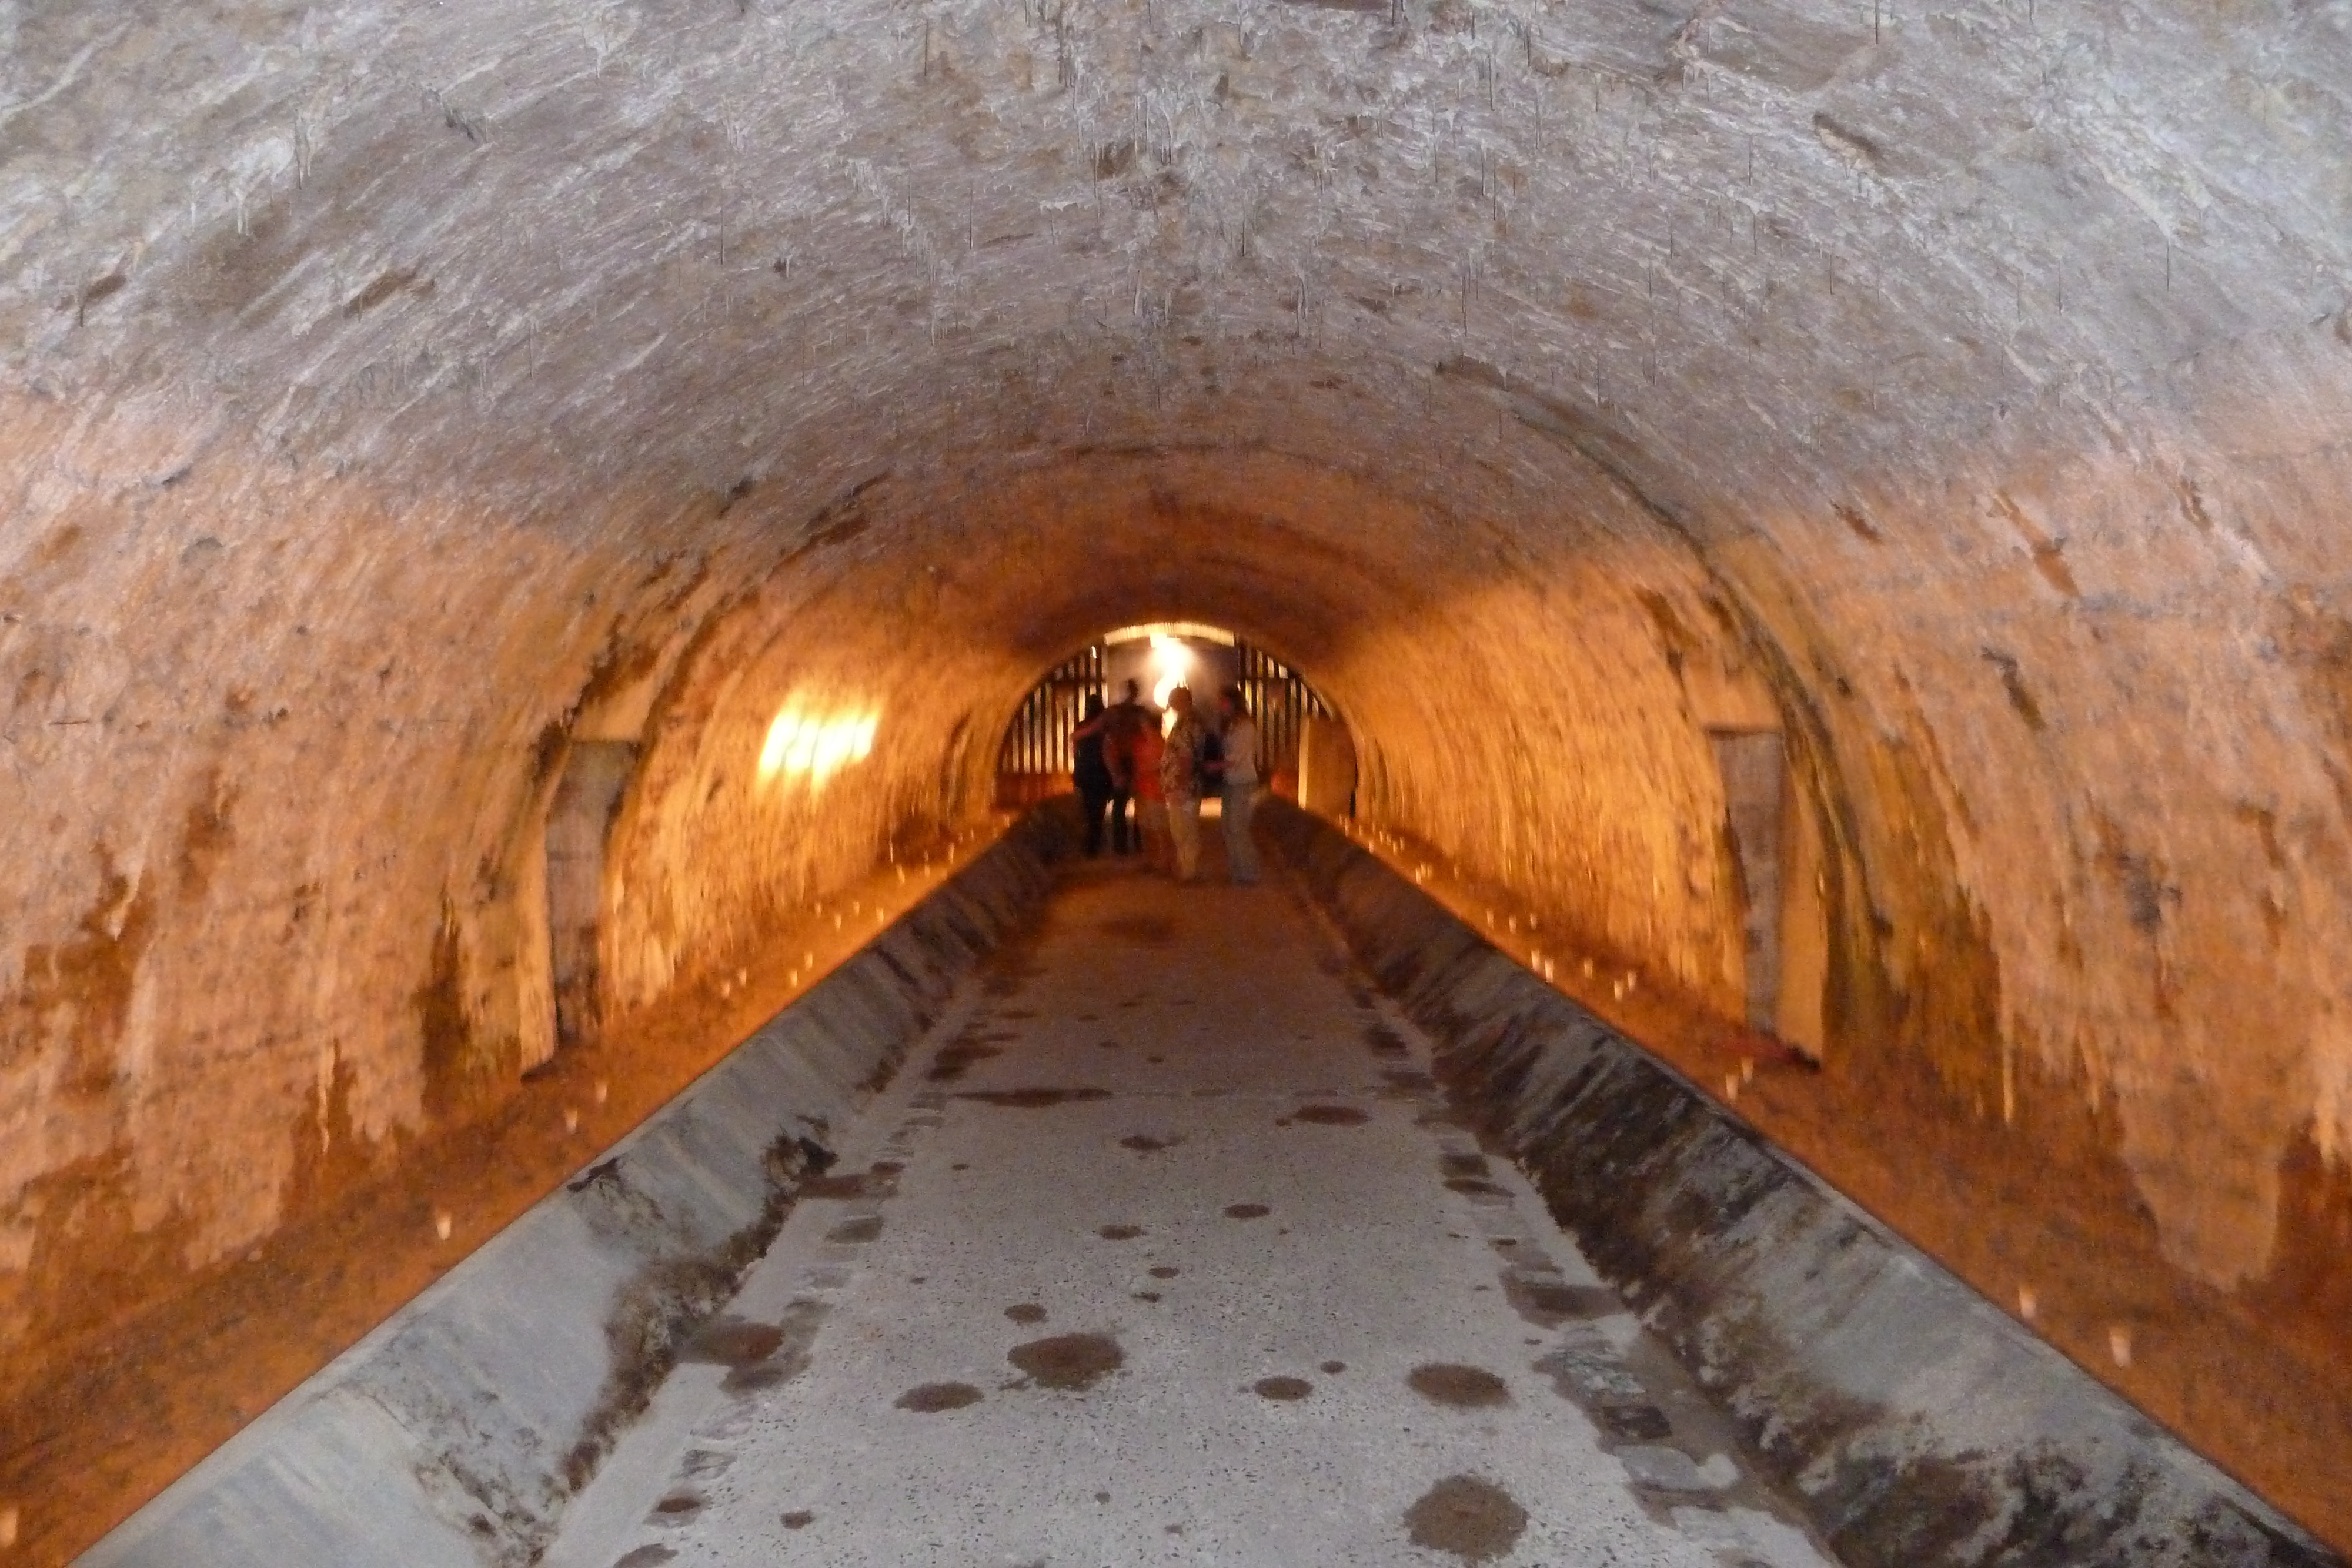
(393, 391)
(1760, 254)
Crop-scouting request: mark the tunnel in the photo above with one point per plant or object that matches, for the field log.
(1805, 530)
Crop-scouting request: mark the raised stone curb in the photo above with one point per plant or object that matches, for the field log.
(1918, 1425)
(452, 1436)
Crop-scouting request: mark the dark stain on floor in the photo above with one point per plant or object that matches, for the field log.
(1151, 1296)
(1282, 1388)
(850, 1186)
(1120, 1232)
(799, 1519)
(1473, 1518)
(959, 1058)
(732, 1342)
(1382, 1040)
(1547, 1303)
(784, 1359)
(679, 1502)
(761, 1374)
(1334, 1368)
(1143, 930)
(1636, 1423)
(931, 1398)
(1006, 971)
(1071, 1362)
(1032, 1099)
(1463, 1387)
(1166, 1272)
(1329, 1115)
(1246, 1211)
(1143, 1145)
(1471, 1187)
(1466, 1165)
(864, 1228)
(645, 1557)
(1025, 1313)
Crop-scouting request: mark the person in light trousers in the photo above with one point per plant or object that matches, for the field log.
(1180, 782)
(1240, 784)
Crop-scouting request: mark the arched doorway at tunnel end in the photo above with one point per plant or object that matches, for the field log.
(1307, 753)
(1770, 833)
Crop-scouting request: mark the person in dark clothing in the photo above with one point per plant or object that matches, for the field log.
(1090, 770)
(1124, 725)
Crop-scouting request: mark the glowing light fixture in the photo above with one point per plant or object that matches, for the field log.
(1171, 663)
(815, 744)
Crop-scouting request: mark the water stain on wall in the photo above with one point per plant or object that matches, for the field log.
(76, 994)
(206, 834)
(457, 1075)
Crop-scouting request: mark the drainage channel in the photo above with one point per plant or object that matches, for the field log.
(1166, 1247)
(1085, 1218)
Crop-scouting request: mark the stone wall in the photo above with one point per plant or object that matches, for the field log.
(392, 393)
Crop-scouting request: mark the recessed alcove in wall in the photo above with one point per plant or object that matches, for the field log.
(579, 826)
(1776, 853)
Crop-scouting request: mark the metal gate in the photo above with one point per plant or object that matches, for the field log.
(1282, 704)
(1036, 758)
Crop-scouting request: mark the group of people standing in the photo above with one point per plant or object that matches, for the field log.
(1129, 754)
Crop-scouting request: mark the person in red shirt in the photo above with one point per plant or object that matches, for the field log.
(1150, 807)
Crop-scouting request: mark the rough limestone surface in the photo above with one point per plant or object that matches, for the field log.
(389, 393)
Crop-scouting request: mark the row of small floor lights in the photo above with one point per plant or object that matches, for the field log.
(444, 1223)
(1403, 853)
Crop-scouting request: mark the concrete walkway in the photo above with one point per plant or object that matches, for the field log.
(1163, 1249)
